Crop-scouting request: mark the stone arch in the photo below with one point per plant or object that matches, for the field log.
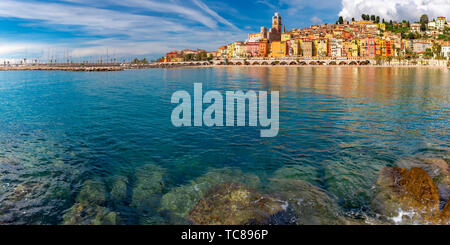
(283, 63)
(353, 63)
(264, 63)
(313, 63)
(293, 63)
(332, 63)
(342, 63)
(256, 63)
(238, 63)
(303, 63)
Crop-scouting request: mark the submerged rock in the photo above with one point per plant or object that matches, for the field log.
(180, 200)
(351, 177)
(407, 196)
(148, 187)
(118, 191)
(93, 192)
(80, 214)
(435, 163)
(302, 172)
(89, 210)
(234, 204)
(310, 204)
(445, 214)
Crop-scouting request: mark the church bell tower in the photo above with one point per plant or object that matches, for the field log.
(276, 22)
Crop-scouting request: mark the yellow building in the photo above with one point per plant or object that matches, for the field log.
(254, 37)
(378, 47)
(286, 37)
(320, 47)
(350, 49)
(222, 52)
(230, 50)
(236, 50)
(295, 47)
(278, 49)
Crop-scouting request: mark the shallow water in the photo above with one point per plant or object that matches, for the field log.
(338, 127)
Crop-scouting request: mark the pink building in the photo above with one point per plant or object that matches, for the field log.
(371, 47)
(253, 49)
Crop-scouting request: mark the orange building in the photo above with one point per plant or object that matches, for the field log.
(264, 48)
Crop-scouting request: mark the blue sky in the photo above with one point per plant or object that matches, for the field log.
(149, 28)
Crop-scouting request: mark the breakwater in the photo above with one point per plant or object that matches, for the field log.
(62, 68)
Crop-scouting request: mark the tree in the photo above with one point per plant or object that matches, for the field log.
(377, 20)
(378, 59)
(424, 19)
(353, 19)
(423, 26)
(372, 18)
(437, 49)
(428, 54)
(188, 57)
(341, 20)
(389, 59)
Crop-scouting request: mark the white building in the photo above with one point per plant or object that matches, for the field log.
(446, 51)
(415, 27)
(432, 25)
(336, 47)
(440, 22)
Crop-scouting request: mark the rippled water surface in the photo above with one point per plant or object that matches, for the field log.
(111, 134)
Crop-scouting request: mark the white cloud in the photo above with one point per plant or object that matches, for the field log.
(395, 9)
(316, 20)
(139, 27)
(214, 14)
(268, 4)
(294, 6)
(8, 47)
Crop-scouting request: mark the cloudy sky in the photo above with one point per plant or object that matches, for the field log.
(148, 28)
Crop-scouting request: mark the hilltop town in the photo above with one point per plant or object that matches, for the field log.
(367, 38)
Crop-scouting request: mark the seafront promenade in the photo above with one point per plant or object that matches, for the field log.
(233, 62)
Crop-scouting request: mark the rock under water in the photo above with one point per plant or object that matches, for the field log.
(408, 197)
(179, 201)
(148, 188)
(234, 204)
(309, 204)
(89, 209)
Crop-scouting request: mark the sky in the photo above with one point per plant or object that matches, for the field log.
(149, 28)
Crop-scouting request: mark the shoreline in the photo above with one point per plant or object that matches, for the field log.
(382, 66)
(67, 68)
(122, 68)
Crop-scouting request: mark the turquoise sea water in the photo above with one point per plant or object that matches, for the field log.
(111, 133)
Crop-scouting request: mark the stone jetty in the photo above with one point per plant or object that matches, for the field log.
(63, 68)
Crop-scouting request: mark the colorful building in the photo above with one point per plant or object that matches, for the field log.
(278, 49)
(335, 47)
(446, 50)
(264, 48)
(307, 48)
(252, 49)
(440, 22)
(321, 47)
